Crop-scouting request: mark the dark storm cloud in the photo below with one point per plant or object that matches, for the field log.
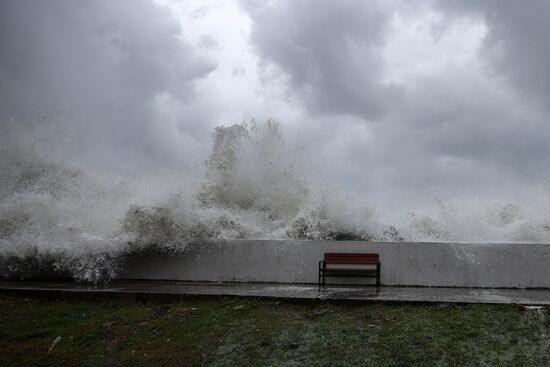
(457, 130)
(120, 76)
(329, 50)
(516, 44)
(116, 72)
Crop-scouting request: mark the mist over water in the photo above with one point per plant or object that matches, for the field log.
(58, 215)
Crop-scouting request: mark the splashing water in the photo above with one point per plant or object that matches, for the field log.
(479, 222)
(57, 216)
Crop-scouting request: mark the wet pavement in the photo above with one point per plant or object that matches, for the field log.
(173, 290)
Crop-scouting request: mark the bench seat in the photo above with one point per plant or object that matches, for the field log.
(349, 270)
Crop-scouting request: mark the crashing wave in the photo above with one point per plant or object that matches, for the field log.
(57, 217)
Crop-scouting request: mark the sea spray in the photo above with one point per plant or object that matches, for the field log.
(56, 216)
(59, 217)
(254, 187)
(478, 221)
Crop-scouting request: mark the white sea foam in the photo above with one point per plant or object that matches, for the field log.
(57, 215)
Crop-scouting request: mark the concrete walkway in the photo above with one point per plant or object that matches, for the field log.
(175, 290)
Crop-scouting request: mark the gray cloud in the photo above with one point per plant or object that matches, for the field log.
(116, 73)
(516, 44)
(463, 130)
(330, 52)
(122, 76)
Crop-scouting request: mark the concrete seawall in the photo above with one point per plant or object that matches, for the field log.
(411, 264)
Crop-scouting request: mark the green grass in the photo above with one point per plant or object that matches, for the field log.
(238, 332)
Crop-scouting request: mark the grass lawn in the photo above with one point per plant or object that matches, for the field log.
(252, 332)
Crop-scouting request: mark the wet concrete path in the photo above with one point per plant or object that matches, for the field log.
(174, 290)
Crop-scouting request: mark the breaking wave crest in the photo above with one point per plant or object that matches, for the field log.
(57, 216)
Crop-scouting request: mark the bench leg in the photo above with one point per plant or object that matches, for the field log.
(378, 275)
(322, 266)
(320, 272)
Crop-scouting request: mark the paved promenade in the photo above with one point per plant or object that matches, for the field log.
(173, 290)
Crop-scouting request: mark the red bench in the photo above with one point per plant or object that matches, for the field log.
(349, 265)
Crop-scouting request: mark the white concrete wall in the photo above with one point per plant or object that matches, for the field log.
(414, 264)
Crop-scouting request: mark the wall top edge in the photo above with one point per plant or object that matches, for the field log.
(381, 243)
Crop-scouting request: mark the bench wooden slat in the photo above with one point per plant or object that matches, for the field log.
(355, 254)
(351, 254)
(351, 261)
(336, 270)
(351, 258)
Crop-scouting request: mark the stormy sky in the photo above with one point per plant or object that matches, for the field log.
(394, 101)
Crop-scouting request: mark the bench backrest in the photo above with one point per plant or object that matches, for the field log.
(351, 258)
